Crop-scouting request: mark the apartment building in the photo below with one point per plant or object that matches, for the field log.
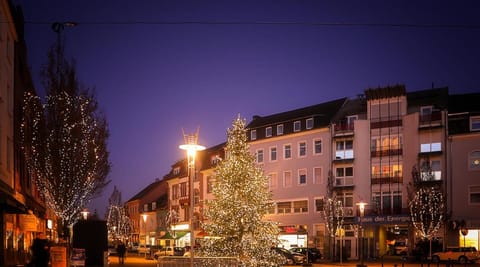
(463, 192)
(369, 149)
(294, 150)
(178, 181)
(147, 212)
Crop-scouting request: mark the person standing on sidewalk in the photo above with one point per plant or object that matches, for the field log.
(121, 250)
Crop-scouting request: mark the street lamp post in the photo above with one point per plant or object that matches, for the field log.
(191, 147)
(361, 205)
(144, 216)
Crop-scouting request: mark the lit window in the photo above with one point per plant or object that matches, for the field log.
(260, 156)
(317, 146)
(268, 131)
(296, 126)
(344, 149)
(253, 135)
(475, 124)
(309, 123)
(302, 149)
(474, 160)
(273, 154)
(431, 147)
(287, 151)
(280, 129)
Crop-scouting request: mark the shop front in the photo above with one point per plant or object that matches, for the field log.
(293, 236)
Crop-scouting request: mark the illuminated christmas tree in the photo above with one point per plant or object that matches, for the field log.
(235, 217)
(65, 141)
(427, 210)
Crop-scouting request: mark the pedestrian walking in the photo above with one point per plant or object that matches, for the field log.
(121, 249)
(40, 252)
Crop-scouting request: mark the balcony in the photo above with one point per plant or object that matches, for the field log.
(386, 152)
(343, 129)
(386, 179)
(433, 119)
(385, 122)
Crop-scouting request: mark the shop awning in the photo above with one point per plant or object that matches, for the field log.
(167, 236)
(180, 234)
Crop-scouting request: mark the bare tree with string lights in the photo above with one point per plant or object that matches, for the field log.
(64, 140)
(332, 212)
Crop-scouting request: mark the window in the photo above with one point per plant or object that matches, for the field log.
(215, 159)
(344, 176)
(474, 160)
(176, 171)
(145, 207)
(387, 202)
(302, 149)
(284, 207)
(319, 204)
(426, 110)
(475, 124)
(273, 154)
(302, 176)
(296, 126)
(431, 170)
(287, 179)
(260, 156)
(346, 198)
(317, 175)
(317, 147)
(432, 147)
(300, 206)
(474, 194)
(268, 131)
(253, 135)
(183, 189)
(309, 123)
(175, 191)
(287, 151)
(154, 205)
(280, 129)
(344, 149)
(210, 181)
(272, 180)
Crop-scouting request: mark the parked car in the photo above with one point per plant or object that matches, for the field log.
(291, 257)
(313, 254)
(143, 249)
(133, 247)
(112, 250)
(178, 251)
(460, 254)
(165, 251)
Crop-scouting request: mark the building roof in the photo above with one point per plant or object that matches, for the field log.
(146, 190)
(324, 112)
(437, 97)
(464, 103)
(385, 92)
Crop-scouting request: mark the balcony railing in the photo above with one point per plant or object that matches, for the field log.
(385, 122)
(386, 152)
(343, 128)
(434, 118)
(386, 179)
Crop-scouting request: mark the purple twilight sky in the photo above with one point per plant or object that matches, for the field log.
(158, 66)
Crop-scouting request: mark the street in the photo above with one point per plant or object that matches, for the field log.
(135, 260)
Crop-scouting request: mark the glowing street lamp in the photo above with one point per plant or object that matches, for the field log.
(85, 213)
(361, 206)
(191, 147)
(144, 216)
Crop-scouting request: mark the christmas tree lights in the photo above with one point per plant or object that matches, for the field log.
(427, 210)
(235, 217)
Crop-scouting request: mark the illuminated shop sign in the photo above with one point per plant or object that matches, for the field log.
(383, 219)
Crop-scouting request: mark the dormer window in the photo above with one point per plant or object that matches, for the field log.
(309, 123)
(426, 110)
(176, 171)
(253, 135)
(296, 126)
(475, 124)
(280, 129)
(268, 131)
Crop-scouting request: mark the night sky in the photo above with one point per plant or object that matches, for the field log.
(159, 66)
